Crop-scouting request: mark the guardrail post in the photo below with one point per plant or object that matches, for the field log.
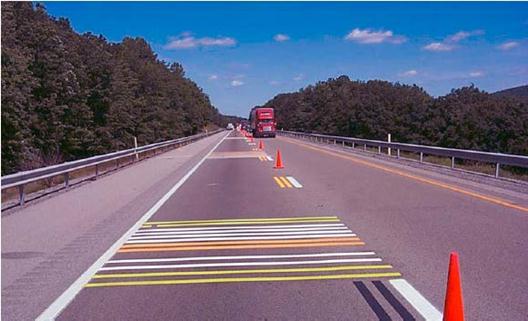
(497, 169)
(389, 140)
(343, 143)
(364, 147)
(335, 142)
(96, 170)
(21, 195)
(398, 153)
(453, 162)
(66, 180)
(353, 145)
(421, 157)
(379, 149)
(135, 148)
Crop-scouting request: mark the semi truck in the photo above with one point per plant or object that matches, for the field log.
(262, 121)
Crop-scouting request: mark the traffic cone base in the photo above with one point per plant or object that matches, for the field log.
(261, 145)
(278, 160)
(454, 305)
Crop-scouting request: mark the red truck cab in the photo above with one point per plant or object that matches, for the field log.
(262, 122)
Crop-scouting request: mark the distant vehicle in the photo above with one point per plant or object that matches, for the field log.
(230, 126)
(262, 122)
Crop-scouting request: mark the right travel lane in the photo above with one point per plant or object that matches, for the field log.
(282, 256)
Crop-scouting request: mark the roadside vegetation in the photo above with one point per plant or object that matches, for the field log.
(67, 96)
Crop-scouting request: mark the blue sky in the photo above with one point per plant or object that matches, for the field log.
(244, 53)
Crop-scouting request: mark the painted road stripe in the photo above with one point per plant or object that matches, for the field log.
(67, 296)
(145, 237)
(292, 218)
(141, 233)
(245, 223)
(285, 181)
(294, 182)
(250, 271)
(239, 257)
(239, 247)
(132, 241)
(424, 307)
(269, 158)
(223, 264)
(241, 227)
(250, 279)
(279, 182)
(337, 239)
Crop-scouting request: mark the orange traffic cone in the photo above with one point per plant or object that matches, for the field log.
(278, 162)
(454, 305)
(261, 145)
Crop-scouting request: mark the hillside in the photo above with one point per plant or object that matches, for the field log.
(520, 92)
(67, 96)
(465, 118)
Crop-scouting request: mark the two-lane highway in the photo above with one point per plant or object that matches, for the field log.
(326, 238)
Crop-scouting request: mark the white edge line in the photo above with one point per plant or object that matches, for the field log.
(294, 182)
(415, 298)
(265, 263)
(238, 257)
(67, 296)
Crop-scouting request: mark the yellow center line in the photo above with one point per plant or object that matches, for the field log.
(491, 199)
(249, 271)
(278, 181)
(285, 181)
(246, 279)
(245, 219)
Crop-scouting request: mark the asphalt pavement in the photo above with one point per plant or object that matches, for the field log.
(329, 237)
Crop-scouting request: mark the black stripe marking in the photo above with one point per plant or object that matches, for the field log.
(387, 294)
(372, 302)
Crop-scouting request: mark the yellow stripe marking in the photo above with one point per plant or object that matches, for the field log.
(285, 181)
(246, 219)
(248, 223)
(278, 181)
(250, 271)
(246, 279)
(484, 197)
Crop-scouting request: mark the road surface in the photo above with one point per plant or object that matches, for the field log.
(332, 236)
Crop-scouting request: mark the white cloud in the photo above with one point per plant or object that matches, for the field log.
(274, 83)
(439, 46)
(409, 73)
(476, 73)
(461, 35)
(508, 45)
(213, 77)
(186, 41)
(368, 36)
(281, 37)
(236, 83)
(299, 77)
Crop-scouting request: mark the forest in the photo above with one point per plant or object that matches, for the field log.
(67, 96)
(465, 118)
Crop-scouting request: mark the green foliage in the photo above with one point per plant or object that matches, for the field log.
(67, 96)
(466, 118)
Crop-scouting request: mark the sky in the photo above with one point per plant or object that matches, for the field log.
(244, 53)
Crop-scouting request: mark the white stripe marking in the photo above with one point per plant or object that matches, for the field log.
(239, 257)
(132, 241)
(244, 231)
(424, 307)
(269, 158)
(143, 236)
(65, 298)
(250, 227)
(178, 266)
(294, 182)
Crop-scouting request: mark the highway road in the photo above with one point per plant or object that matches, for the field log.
(332, 236)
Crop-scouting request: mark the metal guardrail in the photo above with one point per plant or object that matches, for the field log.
(21, 179)
(496, 158)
